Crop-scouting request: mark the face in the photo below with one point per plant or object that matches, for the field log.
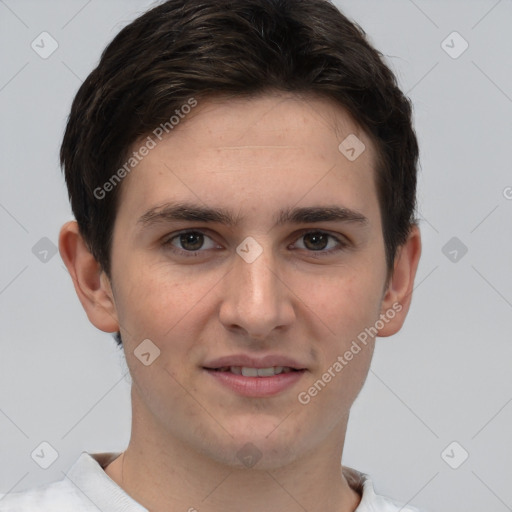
(277, 261)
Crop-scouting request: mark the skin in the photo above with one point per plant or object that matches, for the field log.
(187, 428)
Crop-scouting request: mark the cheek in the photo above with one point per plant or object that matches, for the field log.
(166, 306)
(349, 307)
(155, 294)
(346, 304)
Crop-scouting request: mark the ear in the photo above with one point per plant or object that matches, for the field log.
(91, 283)
(398, 293)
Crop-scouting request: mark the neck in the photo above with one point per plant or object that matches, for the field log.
(165, 474)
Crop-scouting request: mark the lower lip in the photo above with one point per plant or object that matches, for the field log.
(257, 387)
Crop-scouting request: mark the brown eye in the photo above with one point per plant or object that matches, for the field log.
(192, 241)
(316, 241)
(319, 241)
(189, 243)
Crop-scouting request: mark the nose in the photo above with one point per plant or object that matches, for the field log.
(256, 299)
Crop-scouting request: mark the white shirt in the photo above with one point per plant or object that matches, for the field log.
(87, 488)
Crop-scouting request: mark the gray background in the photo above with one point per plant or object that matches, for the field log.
(445, 377)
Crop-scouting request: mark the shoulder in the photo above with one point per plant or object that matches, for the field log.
(373, 502)
(370, 500)
(53, 497)
(84, 488)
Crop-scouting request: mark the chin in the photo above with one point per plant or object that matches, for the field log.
(258, 448)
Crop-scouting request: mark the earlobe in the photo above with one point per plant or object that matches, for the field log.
(91, 284)
(398, 294)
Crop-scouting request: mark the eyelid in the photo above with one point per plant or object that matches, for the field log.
(342, 239)
(168, 239)
(342, 242)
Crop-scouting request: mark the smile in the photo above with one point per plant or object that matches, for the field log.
(256, 372)
(255, 382)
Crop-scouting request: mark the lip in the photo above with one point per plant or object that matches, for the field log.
(254, 362)
(255, 387)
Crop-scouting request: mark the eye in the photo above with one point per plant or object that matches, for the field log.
(318, 241)
(190, 241)
(194, 242)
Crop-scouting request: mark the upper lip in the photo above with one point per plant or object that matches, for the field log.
(254, 362)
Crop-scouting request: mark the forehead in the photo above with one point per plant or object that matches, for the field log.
(281, 147)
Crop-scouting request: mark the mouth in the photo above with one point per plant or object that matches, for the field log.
(252, 378)
(247, 371)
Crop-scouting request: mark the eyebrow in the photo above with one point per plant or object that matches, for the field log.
(170, 212)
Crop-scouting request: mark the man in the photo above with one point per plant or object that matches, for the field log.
(243, 179)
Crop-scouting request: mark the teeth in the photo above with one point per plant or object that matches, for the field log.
(249, 372)
(267, 372)
(258, 372)
(255, 372)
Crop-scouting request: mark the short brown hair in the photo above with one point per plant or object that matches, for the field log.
(204, 48)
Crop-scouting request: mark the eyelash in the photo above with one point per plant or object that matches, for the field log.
(167, 243)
